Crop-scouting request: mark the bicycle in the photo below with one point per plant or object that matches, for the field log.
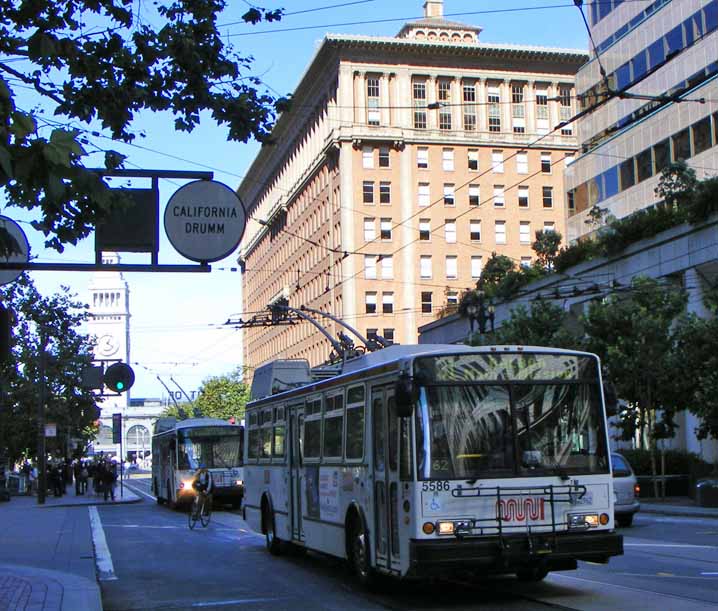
(201, 510)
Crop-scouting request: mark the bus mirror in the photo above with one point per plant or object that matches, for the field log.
(610, 398)
(405, 396)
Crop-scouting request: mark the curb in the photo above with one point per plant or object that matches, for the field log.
(685, 513)
(102, 503)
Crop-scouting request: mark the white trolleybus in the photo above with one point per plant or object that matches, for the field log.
(180, 447)
(435, 460)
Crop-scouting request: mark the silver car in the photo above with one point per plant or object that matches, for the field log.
(626, 489)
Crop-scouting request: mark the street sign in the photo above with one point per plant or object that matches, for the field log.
(205, 220)
(116, 428)
(50, 429)
(17, 239)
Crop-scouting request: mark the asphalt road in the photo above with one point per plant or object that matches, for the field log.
(158, 563)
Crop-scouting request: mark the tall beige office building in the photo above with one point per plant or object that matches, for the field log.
(404, 163)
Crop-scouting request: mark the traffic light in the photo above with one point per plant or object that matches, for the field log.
(119, 377)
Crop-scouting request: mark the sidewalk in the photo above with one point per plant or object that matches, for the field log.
(677, 506)
(47, 558)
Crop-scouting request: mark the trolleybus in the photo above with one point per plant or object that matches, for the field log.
(436, 460)
(180, 447)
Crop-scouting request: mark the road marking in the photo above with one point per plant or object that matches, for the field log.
(664, 575)
(708, 573)
(103, 558)
(686, 545)
(237, 601)
(142, 492)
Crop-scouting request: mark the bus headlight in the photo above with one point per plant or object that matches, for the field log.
(186, 486)
(582, 521)
(239, 482)
(445, 528)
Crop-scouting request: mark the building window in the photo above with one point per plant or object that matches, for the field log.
(701, 135)
(424, 230)
(419, 92)
(525, 262)
(448, 194)
(546, 163)
(452, 298)
(473, 159)
(499, 196)
(368, 191)
(570, 201)
(444, 119)
(371, 333)
(549, 226)
(385, 229)
(444, 91)
(547, 195)
(370, 267)
(384, 157)
(369, 232)
(542, 111)
(662, 155)
(426, 306)
(451, 267)
(523, 196)
(422, 158)
(475, 231)
(494, 100)
(387, 303)
(469, 91)
(425, 266)
(367, 157)
(450, 231)
(500, 232)
(628, 174)
(475, 266)
(497, 162)
(644, 165)
(372, 97)
(387, 267)
(388, 335)
(518, 111)
(447, 160)
(681, 145)
(565, 111)
(423, 194)
(474, 198)
(385, 193)
(370, 302)
(522, 163)
(525, 232)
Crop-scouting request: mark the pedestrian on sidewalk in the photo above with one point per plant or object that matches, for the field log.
(84, 476)
(77, 474)
(110, 478)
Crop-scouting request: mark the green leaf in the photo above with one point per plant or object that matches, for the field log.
(5, 161)
(22, 125)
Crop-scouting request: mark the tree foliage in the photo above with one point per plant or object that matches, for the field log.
(96, 64)
(221, 397)
(632, 333)
(546, 247)
(52, 322)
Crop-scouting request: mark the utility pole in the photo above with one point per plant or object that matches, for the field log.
(41, 451)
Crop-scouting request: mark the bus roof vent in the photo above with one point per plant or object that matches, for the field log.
(324, 372)
(278, 376)
(165, 424)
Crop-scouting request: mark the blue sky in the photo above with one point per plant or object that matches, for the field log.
(176, 325)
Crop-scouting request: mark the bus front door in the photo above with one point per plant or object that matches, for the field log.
(296, 421)
(386, 478)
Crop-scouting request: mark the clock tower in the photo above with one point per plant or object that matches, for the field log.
(109, 323)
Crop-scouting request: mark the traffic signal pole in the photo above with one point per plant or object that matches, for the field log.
(41, 451)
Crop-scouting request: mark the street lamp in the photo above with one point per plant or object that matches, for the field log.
(480, 311)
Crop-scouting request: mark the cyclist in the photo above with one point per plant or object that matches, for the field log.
(203, 484)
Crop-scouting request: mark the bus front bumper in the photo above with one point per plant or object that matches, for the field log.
(510, 553)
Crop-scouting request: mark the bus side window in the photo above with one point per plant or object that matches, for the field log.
(278, 441)
(378, 420)
(393, 433)
(254, 437)
(406, 465)
(354, 438)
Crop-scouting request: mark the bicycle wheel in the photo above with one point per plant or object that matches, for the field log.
(206, 512)
(193, 513)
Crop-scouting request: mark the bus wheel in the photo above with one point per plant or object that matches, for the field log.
(170, 503)
(274, 543)
(532, 573)
(361, 564)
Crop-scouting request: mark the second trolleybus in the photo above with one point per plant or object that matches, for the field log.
(179, 448)
(436, 460)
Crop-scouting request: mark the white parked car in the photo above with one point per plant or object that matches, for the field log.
(626, 490)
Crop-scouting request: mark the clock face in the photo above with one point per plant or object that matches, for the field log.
(107, 345)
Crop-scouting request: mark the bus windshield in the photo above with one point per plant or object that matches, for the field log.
(547, 423)
(215, 447)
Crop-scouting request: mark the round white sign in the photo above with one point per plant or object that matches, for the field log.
(205, 220)
(14, 230)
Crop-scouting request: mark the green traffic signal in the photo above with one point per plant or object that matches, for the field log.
(119, 377)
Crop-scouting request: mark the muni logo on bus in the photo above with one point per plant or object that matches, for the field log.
(519, 510)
